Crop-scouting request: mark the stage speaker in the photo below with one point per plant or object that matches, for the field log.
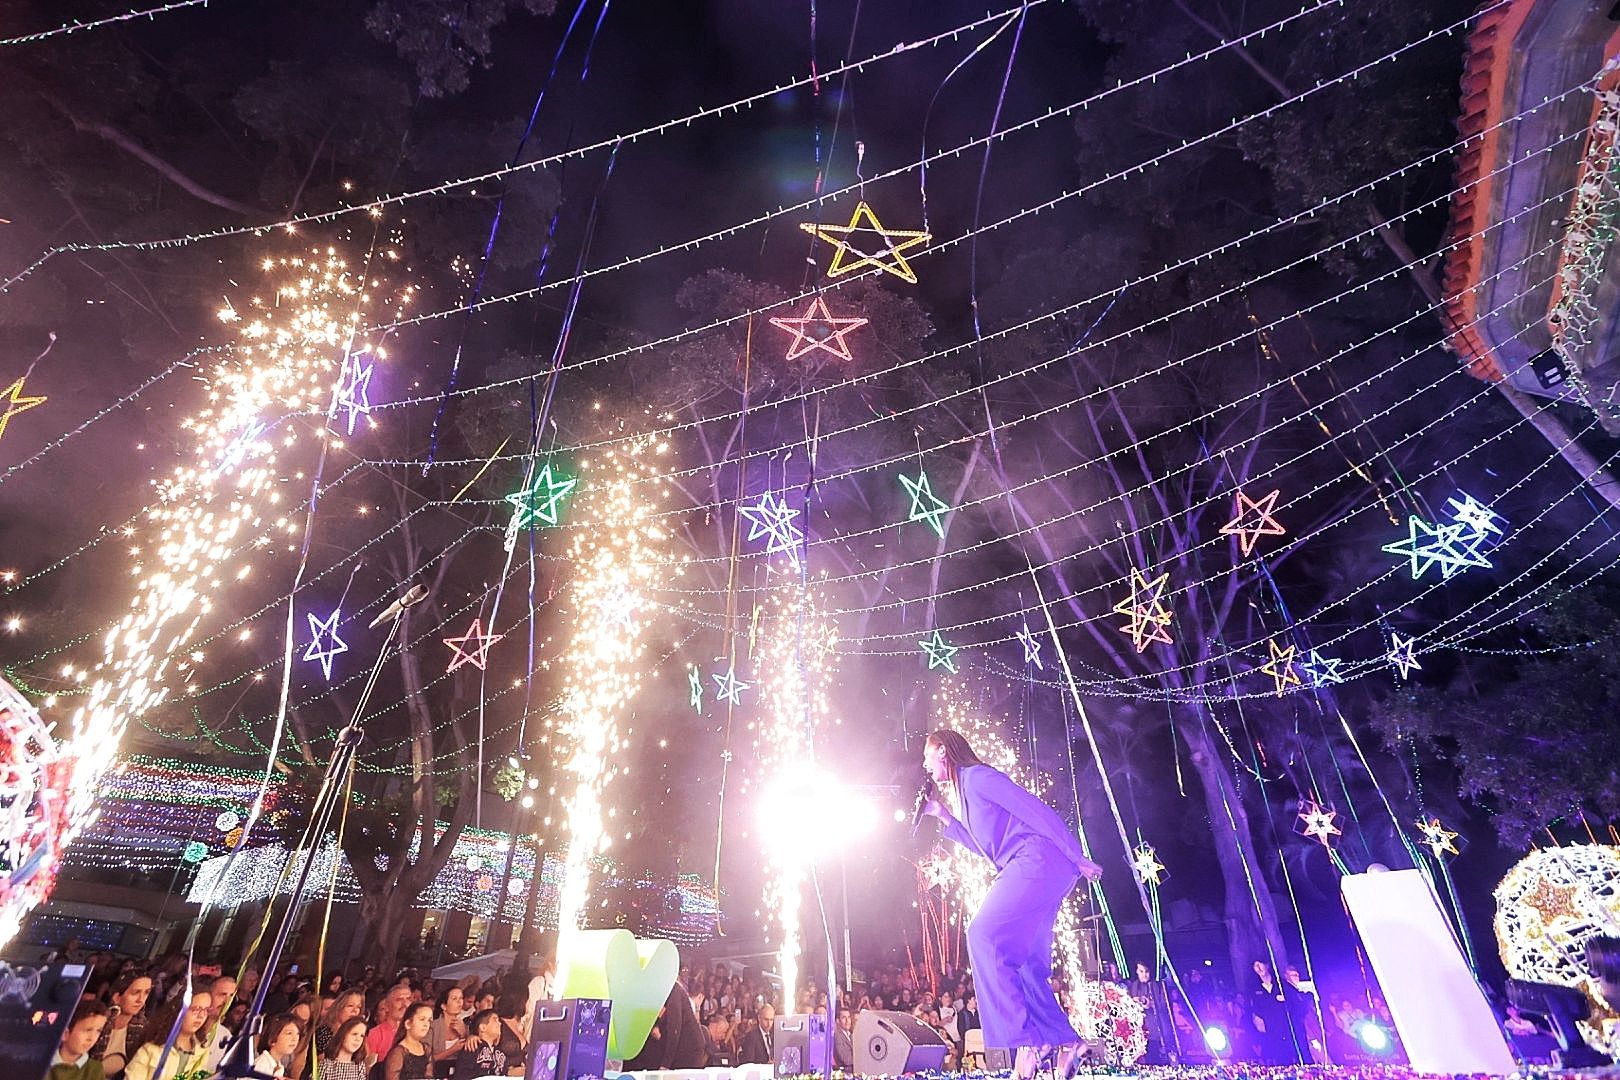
(997, 1058)
(568, 1039)
(799, 1045)
(891, 1043)
(36, 1005)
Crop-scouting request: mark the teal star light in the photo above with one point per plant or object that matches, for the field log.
(939, 652)
(542, 500)
(771, 517)
(694, 688)
(925, 505)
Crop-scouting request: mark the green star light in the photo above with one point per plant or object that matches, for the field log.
(939, 652)
(925, 505)
(540, 501)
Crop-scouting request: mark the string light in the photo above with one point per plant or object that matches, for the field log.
(33, 777)
(78, 26)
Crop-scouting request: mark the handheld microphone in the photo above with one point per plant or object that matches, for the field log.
(924, 792)
(417, 594)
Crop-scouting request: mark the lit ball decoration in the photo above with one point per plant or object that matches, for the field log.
(1546, 908)
(1105, 1015)
(33, 782)
(227, 820)
(194, 853)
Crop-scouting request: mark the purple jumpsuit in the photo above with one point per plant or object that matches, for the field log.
(1009, 940)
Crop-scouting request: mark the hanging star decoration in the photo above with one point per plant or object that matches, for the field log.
(1318, 822)
(728, 688)
(925, 505)
(541, 501)
(1452, 547)
(1281, 667)
(1251, 520)
(939, 652)
(12, 398)
(694, 688)
(817, 329)
(1441, 840)
(471, 647)
(236, 452)
(1321, 670)
(354, 389)
(1146, 865)
(1475, 516)
(771, 517)
(853, 249)
(619, 608)
(1402, 654)
(1032, 648)
(1146, 610)
(323, 654)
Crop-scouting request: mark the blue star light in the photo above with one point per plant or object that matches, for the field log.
(772, 517)
(1032, 648)
(1320, 670)
(728, 688)
(1402, 655)
(354, 388)
(326, 628)
(1451, 547)
(939, 652)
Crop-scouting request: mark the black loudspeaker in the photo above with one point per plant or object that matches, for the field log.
(799, 1045)
(36, 1005)
(997, 1058)
(891, 1043)
(568, 1039)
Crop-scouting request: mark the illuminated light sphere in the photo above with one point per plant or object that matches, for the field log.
(227, 820)
(939, 652)
(323, 654)
(1372, 1035)
(818, 330)
(1150, 618)
(485, 882)
(925, 505)
(1251, 520)
(474, 864)
(12, 398)
(33, 801)
(471, 647)
(1215, 1038)
(194, 852)
(865, 242)
(515, 886)
(1547, 907)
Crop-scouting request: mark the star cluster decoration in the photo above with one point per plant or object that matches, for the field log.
(940, 653)
(1281, 667)
(1146, 866)
(817, 329)
(11, 398)
(471, 647)
(925, 505)
(1150, 618)
(1451, 546)
(324, 630)
(865, 242)
(1317, 822)
(772, 518)
(1251, 520)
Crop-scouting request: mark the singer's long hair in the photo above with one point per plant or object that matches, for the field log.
(958, 754)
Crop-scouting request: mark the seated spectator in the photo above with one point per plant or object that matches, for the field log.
(717, 1044)
(189, 1056)
(126, 1026)
(480, 1054)
(277, 1044)
(72, 1060)
(345, 1055)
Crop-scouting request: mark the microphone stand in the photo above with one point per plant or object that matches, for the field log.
(238, 1061)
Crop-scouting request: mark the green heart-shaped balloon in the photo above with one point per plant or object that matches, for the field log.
(636, 975)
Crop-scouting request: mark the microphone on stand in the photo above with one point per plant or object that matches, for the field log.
(417, 594)
(924, 793)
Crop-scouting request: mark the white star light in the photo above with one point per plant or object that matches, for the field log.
(1453, 548)
(728, 688)
(1402, 656)
(1032, 648)
(323, 655)
(1474, 515)
(772, 517)
(354, 388)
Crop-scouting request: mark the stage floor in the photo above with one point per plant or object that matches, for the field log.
(1224, 1071)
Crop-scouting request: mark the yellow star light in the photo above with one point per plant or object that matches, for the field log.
(1281, 667)
(1251, 520)
(1437, 836)
(819, 330)
(1149, 617)
(1145, 862)
(16, 404)
(1319, 822)
(850, 256)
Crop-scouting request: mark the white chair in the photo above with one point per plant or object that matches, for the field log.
(973, 1048)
